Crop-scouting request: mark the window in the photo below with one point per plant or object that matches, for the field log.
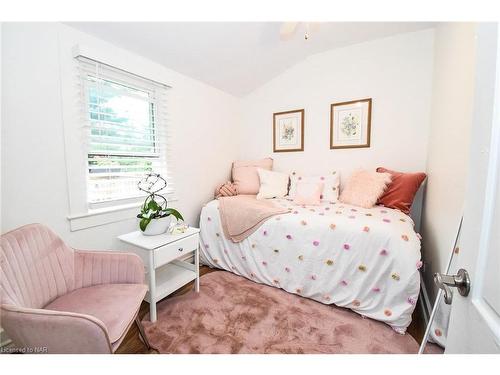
(126, 133)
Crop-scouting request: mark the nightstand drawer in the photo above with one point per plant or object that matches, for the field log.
(167, 253)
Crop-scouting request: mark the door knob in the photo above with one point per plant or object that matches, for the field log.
(461, 281)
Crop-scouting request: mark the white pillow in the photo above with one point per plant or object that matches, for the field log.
(330, 180)
(272, 184)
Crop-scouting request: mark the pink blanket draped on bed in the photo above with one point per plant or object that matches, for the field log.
(241, 215)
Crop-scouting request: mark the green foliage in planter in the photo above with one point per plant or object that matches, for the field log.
(152, 209)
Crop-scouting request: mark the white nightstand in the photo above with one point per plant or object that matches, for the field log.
(166, 273)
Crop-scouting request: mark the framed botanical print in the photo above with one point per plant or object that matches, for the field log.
(350, 124)
(288, 131)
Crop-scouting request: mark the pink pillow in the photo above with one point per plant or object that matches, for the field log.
(364, 188)
(245, 176)
(308, 193)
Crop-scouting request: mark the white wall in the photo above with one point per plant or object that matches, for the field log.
(449, 137)
(396, 72)
(34, 183)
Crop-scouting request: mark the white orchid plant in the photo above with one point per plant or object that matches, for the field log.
(155, 205)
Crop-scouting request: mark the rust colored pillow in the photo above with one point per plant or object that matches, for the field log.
(402, 189)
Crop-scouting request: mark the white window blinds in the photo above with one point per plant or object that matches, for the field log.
(126, 122)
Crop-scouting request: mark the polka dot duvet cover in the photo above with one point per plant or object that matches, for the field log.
(366, 260)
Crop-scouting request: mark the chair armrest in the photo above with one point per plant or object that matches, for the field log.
(107, 267)
(47, 331)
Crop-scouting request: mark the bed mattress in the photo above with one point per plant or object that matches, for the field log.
(366, 260)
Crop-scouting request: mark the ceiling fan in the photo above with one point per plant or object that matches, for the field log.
(289, 29)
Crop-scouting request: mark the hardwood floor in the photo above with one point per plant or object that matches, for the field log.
(417, 326)
(132, 344)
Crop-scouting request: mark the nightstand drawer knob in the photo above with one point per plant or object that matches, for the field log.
(180, 249)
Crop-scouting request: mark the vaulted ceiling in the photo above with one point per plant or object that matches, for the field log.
(236, 57)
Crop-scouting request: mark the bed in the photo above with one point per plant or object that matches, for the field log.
(366, 260)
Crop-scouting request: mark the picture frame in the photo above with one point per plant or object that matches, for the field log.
(288, 131)
(350, 124)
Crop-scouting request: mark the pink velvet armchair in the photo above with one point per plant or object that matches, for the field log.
(60, 300)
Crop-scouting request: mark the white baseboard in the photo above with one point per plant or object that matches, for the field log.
(4, 340)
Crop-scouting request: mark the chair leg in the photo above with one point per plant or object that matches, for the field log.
(141, 332)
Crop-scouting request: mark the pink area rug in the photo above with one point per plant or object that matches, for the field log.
(234, 315)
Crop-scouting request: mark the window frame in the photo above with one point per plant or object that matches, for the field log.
(131, 84)
(80, 215)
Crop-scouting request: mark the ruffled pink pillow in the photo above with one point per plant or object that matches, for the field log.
(364, 188)
(227, 189)
(308, 193)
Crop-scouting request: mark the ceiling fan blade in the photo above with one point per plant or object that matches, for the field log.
(288, 29)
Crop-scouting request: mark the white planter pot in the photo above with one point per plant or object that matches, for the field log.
(157, 226)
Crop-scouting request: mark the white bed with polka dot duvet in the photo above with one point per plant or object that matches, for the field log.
(366, 260)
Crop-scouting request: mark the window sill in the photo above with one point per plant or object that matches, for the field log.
(107, 215)
(102, 216)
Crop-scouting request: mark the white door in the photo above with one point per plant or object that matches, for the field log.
(475, 319)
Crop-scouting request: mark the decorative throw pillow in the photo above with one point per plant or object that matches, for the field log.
(308, 193)
(245, 175)
(364, 188)
(402, 189)
(226, 189)
(330, 180)
(272, 184)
